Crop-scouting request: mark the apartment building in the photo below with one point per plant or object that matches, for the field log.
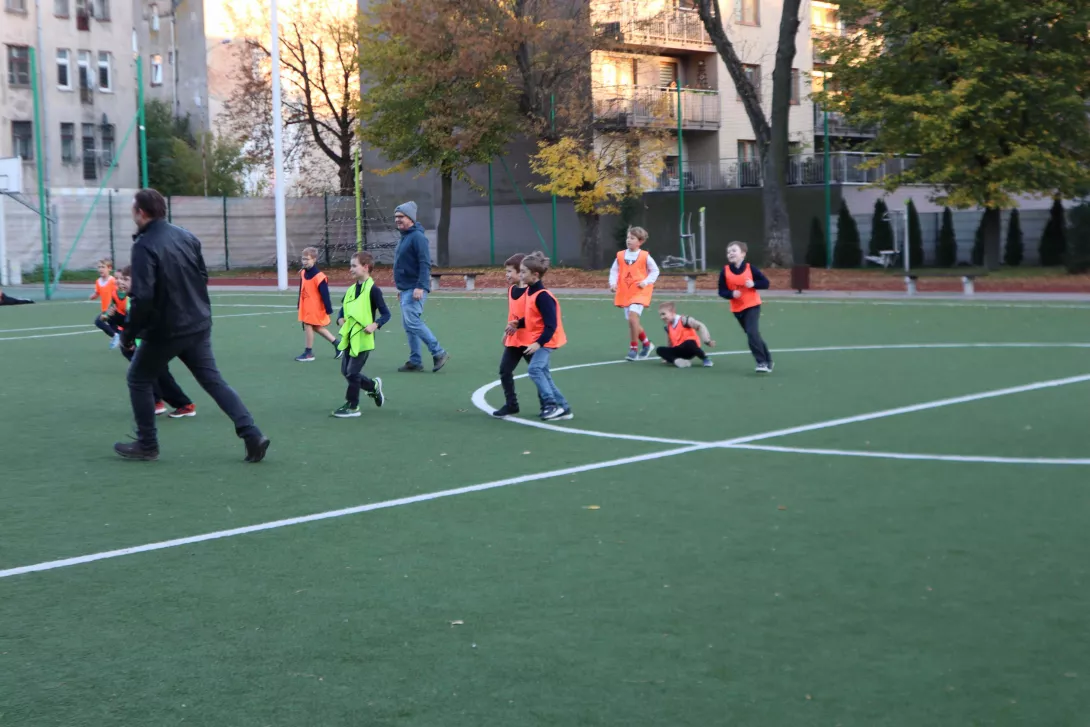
(87, 88)
(825, 21)
(171, 38)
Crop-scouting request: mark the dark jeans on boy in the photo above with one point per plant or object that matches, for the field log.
(165, 387)
(687, 349)
(6, 299)
(195, 350)
(749, 320)
(508, 363)
(352, 369)
(110, 324)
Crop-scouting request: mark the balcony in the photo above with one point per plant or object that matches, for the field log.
(845, 168)
(644, 106)
(627, 22)
(838, 126)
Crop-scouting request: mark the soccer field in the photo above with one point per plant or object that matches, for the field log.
(891, 529)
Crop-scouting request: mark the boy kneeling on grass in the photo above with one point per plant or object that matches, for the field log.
(685, 334)
(357, 336)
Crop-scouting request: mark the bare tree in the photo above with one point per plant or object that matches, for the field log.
(770, 132)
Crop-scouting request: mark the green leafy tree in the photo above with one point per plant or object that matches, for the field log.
(915, 237)
(183, 164)
(847, 252)
(991, 95)
(946, 253)
(1053, 245)
(881, 230)
(1015, 250)
(816, 251)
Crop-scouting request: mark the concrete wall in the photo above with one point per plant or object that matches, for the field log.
(184, 53)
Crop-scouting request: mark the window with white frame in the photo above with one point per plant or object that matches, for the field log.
(747, 12)
(90, 163)
(153, 18)
(107, 152)
(18, 65)
(102, 10)
(68, 143)
(15, 6)
(64, 68)
(83, 61)
(747, 151)
(753, 74)
(22, 140)
(105, 74)
(61, 8)
(157, 70)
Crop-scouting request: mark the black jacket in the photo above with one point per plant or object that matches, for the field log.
(169, 284)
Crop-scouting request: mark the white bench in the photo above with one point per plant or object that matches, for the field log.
(469, 278)
(884, 258)
(966, 281)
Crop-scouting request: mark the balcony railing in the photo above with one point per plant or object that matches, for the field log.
(837, 125)
(674, 28)
(629, 106)
(844, 168)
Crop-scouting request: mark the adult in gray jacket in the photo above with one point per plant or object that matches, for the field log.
(412, 276)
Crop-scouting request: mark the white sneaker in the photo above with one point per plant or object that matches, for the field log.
(115, 341)
(683, 363)
(763, 369)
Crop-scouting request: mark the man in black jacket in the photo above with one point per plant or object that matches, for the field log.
(173, 316)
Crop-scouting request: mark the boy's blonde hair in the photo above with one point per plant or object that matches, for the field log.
(365, 259)
(105, 263)
(741, 246)
(536, 262)
(639, 233)
(310, 252)
(668, 305)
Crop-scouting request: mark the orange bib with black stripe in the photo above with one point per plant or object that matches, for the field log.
(629, 277)
(311, 306)
(535, 324)
(749, 297)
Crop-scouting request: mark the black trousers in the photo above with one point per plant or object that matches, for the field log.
(150, 362)
(749, 320)
(687, 349)
(352, 369)
(508, 363)
(165, 387)
(109, 324)
(6, 299)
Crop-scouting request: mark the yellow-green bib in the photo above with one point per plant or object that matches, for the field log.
(357, 316)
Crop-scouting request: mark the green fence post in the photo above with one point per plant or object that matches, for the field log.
(325, 209)
(359, 214)
(43, 203)
(226, 247)
(110, 208)
(491, 221)
(142, 122)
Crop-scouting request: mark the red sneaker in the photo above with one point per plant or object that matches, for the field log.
(189, 410)
(160, 408)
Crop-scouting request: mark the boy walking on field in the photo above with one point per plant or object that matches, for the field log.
(739, 282)
(632, 279)
(105, 289)
(545, 332)
(515, 339)
(685, 334)
(363, 311)
(314, 305)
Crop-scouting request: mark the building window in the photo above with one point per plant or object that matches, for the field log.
(153, 18)
(22, 140)
(104, 73)
(18, 65)
(747, 151)
(15, 6)
(794, 87)
(102, 10)
(107, 144)
(746, 12)
(60, 8)
(753, 74)
(157, 70)
(64, 68)
(90, 166)
(68, 143)
(83, 60)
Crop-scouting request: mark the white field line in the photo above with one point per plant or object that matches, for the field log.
(178, 542)
(908, 456)
(91, 329)
(44, 328)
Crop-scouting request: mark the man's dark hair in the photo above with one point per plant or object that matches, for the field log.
(151, 203)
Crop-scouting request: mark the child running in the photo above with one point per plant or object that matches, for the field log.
(515, 339)
(544, 327)
(113, 319)
(105, 287)
(314, 305)
(165, 388)
(739, 282)
(685, 334)
(632, 278)
(357, 336)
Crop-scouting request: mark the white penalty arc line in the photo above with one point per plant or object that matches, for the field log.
(981, 459)
(95, 330)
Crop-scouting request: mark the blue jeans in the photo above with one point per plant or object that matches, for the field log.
(543, 379)
(415, 328)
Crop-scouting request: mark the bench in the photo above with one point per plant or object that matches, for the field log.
(966, 280)
(690, 279)
(469, 277)
(884, 258)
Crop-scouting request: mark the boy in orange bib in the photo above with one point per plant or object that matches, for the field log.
(315, 307)
(739, 282)
(544, 328)
(515, 339)
(105, 290)
(632, 279)
(685, 334)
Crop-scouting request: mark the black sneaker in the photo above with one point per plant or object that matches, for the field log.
(505, 411)
(552, 411)
(256, 447)
(410, 366)
(377, 394)
(137, 451)
(439, 361)
(337, 352)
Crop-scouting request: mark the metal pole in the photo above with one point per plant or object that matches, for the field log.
(359, 215)
(226, 244)
(491, 221)
(552, 122)
(325, 209)
(906, 250)
(47, 153)
(110, 211)
(828, 201)
(680, 177)
(39, 163)
(141, 122)
(278, 158)
(703, 243)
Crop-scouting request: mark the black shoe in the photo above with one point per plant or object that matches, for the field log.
(410, 366)
(338, 353)
(256, 447)
(439, 361)
(137, 451)
(377, 394)
(505, 411)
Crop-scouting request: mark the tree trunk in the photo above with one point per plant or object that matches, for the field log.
(990, 225)
(442, 243)
(346, 179)
(777, 224)
(590, 246)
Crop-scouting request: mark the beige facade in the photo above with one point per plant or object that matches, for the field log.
(87, 89)
(172, 43)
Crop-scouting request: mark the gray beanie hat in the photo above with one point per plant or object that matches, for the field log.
(408, 209)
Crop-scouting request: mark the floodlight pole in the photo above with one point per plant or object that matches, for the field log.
(278, 159)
